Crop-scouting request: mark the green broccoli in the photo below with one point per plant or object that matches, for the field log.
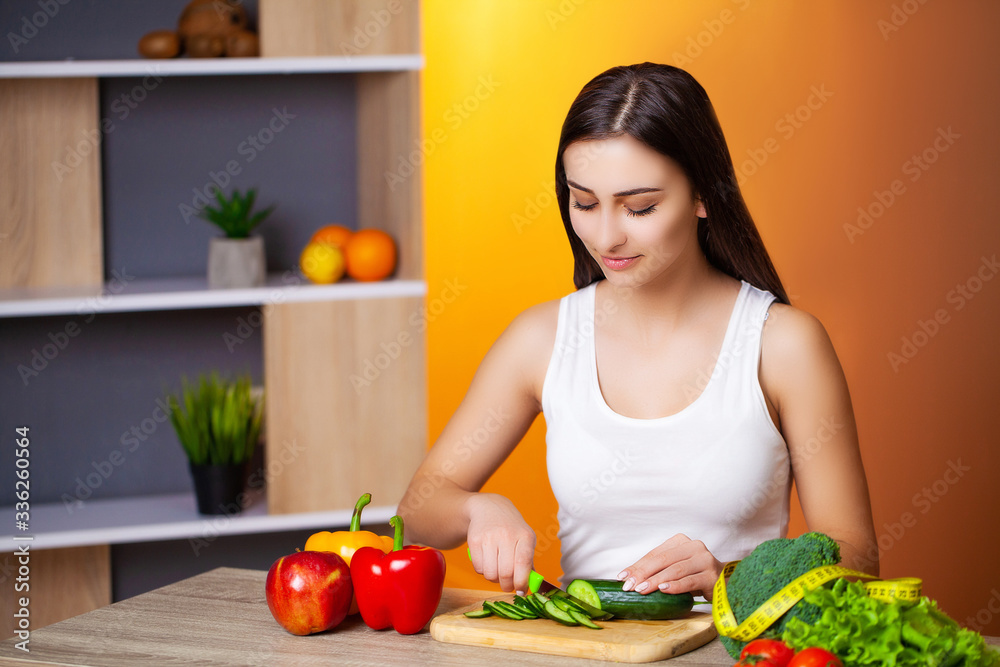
(768, 569)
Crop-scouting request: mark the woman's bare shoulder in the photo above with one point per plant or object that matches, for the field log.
(791, 331)
(796, 350)
(533, 331)
(538, 321)
(527, 343)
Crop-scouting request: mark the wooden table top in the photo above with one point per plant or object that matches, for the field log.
(221, 618)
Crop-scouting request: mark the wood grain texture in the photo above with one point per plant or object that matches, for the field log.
(390, 163)
(62, 583)
(618, 640)
(338, 27)
(346, 402)
(50, 191)
(221, 618)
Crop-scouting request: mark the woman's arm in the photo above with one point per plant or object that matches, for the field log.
(442, 506)
(804, 382)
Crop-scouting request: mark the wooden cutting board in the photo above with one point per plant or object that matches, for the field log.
(619, 640)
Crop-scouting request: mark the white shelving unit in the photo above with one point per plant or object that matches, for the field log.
(191, 292)
(165, 517)
(209, 66)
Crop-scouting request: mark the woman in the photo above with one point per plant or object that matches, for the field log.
(681, 392)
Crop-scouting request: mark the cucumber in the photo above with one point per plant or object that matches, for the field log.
(568, 604)
(563, 605)
(524, 606)
(607, 595)
(583, 618)
(512, 610)
(536, 604)
(500, 611)
(556, 613)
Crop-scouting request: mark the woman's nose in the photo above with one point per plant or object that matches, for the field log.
(612, 231)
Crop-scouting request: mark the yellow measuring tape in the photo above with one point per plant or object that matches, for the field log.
(906, 588)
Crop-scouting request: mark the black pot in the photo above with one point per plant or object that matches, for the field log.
(218, 487)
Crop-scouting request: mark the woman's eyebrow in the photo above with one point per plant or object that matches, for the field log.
(623, 193)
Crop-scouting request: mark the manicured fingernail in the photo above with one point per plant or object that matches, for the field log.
(622, 575)
(629, 583)
(642, 587)
(521, 593)
(664, 586)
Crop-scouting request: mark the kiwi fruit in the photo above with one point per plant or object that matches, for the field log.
(160, 44)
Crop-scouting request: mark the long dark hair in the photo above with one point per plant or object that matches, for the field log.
(667, 109)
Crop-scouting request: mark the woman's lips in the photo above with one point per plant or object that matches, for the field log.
(618, 263)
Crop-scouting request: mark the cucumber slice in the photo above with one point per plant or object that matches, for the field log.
(556, 613)
(511, 610)
(607, 595)
(584, 619)
(479, 613)
(536, 604)
(568, 604)
(563, 604)
(499, 611)
(525, 607)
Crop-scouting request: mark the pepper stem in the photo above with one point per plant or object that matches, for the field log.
(356, 517)
(397, 538)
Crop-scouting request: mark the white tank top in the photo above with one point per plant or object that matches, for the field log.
(717, 471)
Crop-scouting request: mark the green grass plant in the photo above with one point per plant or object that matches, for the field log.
(217, 421)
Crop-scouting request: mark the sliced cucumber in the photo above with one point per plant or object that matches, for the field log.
(500, 611)
(563, 604)
(536, 604)
(525, 607)
(569, 604)
(512, 610)
(607, 595)
(558, 614)
(583, 619)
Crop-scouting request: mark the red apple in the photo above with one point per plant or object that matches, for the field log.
(309, 591)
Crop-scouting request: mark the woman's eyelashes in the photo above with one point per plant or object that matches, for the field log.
(628, 211)
(636, 214)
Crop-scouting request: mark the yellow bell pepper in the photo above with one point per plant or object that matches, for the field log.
(345, 542)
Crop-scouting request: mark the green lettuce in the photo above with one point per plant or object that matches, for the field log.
(862, 630)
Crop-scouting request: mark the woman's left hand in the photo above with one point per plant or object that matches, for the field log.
(679, 565)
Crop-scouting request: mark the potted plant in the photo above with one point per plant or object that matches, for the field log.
(218, 423)
(237, 260)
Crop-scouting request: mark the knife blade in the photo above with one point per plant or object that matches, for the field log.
(538, 584)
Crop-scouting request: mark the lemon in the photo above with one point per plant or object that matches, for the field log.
(322, 263)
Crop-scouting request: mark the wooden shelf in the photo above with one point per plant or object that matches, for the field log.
(164, 517)
(190, 292)
(210, 66)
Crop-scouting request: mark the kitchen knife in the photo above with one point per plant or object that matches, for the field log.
(538, 584)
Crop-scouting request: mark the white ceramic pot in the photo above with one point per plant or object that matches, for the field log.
(236, 262)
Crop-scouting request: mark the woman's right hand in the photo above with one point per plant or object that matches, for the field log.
(501, 544)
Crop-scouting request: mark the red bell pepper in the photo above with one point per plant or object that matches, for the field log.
(401, 588)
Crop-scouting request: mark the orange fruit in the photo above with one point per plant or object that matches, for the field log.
(322, 263)
(332, 234)
(371, 255)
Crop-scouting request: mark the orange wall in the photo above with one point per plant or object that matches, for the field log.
(500, 76)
